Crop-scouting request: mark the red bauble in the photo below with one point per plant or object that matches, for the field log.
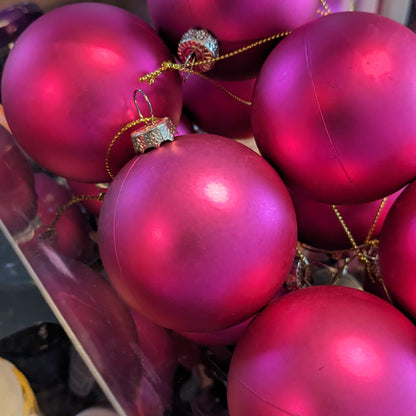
(234, 24)
(17, 186)
(216, 112)
(68, 85)
(72, 229)
(332, 108)
(318, 225)
(326, 350)
(397, 250)
(197, 235)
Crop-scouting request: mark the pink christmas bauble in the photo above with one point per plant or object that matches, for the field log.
(234, 24)
(331, 108)
(68, 86)
(397, 250)
(318, 225)
(72, 229)
(197, 235)
(17, 186)
(87, 188)
(325, 350)
(216, 112)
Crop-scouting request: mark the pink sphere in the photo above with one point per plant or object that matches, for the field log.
(318, 225)
(87, 188)
(331, 108)
(68, 86)
(397, 250)
(72, 229)
(17, 186)
(218, 112)
(197, 235)
(325, 350)
(234, 23)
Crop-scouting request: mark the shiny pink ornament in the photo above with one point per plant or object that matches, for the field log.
(72, 229)
(398, 250)
(87, 188)
(325, 350)
(197, 235)
(318, 225)
(216, 112)
(18, 203)
(234, 24)
(68, 86)
(331, 108)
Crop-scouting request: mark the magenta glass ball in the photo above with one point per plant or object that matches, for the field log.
(234, 23)
(318, 225)
(216, 112)
(397, 250)
(197, 235)
(18, 204)
(68, 86)
(331, 108)
(326, 350)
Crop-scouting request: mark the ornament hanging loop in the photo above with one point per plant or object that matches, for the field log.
(152, 120)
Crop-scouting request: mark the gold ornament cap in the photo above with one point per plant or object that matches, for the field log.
(153, 135)
(201, 44)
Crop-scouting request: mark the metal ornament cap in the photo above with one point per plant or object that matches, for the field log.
(153, 135)
(200, 43)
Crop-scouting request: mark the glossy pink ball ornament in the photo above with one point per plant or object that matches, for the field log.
(331, 108)
(216, 112)
(234, 24)
(325, 350)
(319, 227)
(197, 235)
(68, 87)
(397, 251)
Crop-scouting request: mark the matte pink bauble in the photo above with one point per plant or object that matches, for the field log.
(397, 250)
(87, 188)
(234, 24)
(318, 225)
(197, 235)
(68, 87)
(72, 229)
(325, 350)
(332, 108)
(17, 186)
(216, 112)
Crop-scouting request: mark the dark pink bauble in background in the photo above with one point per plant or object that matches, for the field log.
(158, 360)
(185, 125)
(216, 112)
(87, 188)
(318, 225)
(197, 235)
(397, 251)
(234, 23)
(18, 204)
(332, 108)
(72, 229)
(68, 86)
(336, 6)
(325, 350)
